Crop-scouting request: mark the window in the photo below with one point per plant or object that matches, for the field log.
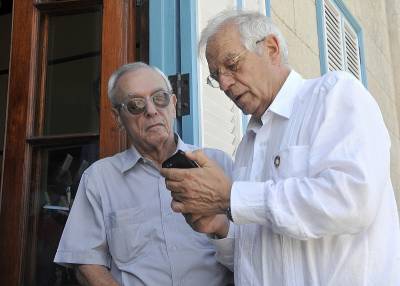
(59, 118)
(65, 137)
(340, 39)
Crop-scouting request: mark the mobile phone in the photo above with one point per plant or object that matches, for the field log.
(179, 160)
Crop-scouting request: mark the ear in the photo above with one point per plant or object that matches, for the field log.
(272, 49)
(117, 118)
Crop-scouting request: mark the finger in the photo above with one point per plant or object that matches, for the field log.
(172, 174)
(165, 172)
(174, 187)
(177, 197)
(195, 217)
(177, 207)
(199, 157)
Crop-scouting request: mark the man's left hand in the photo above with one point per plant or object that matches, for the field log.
(204, 190)
(217, 225)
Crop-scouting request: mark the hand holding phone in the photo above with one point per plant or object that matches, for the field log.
(179, 160)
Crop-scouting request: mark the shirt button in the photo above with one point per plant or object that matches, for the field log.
(277, 161)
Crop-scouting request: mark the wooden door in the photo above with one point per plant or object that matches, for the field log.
(58, 121)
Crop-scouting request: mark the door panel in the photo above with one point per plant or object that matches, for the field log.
(73, 74)
(69, 98)
(59, 122)
(58, 170)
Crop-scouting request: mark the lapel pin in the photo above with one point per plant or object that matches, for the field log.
(277, 161)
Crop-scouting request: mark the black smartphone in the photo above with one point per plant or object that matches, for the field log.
(179, 160)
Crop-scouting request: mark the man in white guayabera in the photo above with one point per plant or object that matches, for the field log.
(311, 201)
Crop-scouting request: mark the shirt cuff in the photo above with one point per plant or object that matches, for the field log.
(248, 202)
(65, 258)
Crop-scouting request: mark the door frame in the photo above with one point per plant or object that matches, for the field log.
(118, 47)
(173, 49)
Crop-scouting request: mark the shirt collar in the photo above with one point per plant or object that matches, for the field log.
(284, 100)
(131, 156)
(282, 104)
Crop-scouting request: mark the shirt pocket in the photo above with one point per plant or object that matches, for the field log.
(185, 236)
(291, 162)
(130, 233)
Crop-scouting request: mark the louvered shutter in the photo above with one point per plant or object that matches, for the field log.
(333, 37)
(351, 51)
(341, 41)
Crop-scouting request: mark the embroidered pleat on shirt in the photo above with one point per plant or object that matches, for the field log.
(312, 199)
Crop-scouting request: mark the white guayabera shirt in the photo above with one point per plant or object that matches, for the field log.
(312, 199)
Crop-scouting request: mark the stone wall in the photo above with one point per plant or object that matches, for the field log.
(380, 22)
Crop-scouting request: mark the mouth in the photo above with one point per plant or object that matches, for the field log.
(154, 126)
(236, 98)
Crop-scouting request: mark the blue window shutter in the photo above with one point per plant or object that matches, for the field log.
(340, 39)
(173, 50)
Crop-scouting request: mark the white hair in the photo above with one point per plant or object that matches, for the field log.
(252, 27)
(112, 82)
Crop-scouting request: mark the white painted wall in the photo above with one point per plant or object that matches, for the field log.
(221, 120)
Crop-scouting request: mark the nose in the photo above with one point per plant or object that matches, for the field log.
(151, 109)
(225, 82)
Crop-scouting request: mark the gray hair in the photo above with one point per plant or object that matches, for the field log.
(112, 82)
(252, 26)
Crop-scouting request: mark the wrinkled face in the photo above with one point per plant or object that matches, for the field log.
(243, 75)
(153, 127)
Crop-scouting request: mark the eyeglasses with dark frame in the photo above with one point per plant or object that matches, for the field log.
(231, 66)
(136, 104)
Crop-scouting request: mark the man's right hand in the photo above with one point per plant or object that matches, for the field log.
(217, 225)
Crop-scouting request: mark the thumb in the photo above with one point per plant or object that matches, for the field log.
(199, 157)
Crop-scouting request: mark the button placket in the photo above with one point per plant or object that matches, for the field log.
(260, 149)
(165, 209)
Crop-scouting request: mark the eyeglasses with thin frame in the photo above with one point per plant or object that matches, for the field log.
(136, 105)
(231, 66)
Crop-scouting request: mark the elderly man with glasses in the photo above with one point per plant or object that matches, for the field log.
(121, 229)
(311, 201)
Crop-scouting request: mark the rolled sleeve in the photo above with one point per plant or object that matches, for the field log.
(84, 237)
(82, 257)
(248, 202)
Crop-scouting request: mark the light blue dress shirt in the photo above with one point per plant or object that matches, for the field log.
(121, 218)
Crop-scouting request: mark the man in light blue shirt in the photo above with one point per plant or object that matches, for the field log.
(121, 229)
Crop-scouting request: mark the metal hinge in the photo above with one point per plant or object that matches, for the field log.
(180, 86)
(139, 3)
